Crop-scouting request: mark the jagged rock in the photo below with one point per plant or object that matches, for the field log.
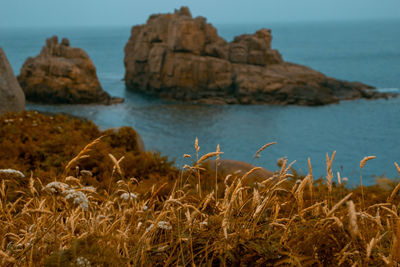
(254, 49)
(179, 57)
(12, 98)
(62, 74)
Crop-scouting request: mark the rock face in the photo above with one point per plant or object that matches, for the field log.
(62, 74)
(12, 98)
(179, 57)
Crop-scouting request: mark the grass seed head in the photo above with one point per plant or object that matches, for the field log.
(364, 161)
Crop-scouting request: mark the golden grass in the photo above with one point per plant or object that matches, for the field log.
(362, 164)
(257, 155)
(181, 222)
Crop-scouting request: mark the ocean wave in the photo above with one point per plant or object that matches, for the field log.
(388, 90)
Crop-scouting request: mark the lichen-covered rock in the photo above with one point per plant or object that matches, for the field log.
(12, 98)
(179, 57)
(62, 74)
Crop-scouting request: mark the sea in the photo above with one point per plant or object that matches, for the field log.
(366, 51)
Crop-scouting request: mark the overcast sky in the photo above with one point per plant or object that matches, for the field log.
(39, 13)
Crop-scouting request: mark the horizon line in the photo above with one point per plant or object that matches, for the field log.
(347, 20)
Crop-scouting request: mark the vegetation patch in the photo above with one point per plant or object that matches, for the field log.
(92, 198)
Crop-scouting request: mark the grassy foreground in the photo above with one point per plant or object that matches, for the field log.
(85, 200)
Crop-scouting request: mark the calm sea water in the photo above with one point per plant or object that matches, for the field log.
(363, 51)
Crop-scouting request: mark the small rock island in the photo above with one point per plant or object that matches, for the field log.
(175, 56)
(62, 74)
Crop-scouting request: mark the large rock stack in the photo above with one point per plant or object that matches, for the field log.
(179, 57)
(12, 98)
(62, 74)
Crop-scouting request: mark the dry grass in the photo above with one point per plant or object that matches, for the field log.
(181, 222)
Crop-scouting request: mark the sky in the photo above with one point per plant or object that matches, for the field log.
(42, 13)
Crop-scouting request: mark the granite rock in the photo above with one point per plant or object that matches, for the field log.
(176, 56)
(62, 74)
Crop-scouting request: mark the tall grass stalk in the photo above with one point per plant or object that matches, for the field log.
(362, 164)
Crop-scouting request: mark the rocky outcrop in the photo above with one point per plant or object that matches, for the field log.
(179, 57)
(12, 98)
(62, 74)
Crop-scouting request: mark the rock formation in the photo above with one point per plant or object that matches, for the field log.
(179, 57)
(12, 98)
(62, 74)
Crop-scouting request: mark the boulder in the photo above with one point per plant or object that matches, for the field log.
(179, 57)
(12, 98)
(235, 167)
(62, 74)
